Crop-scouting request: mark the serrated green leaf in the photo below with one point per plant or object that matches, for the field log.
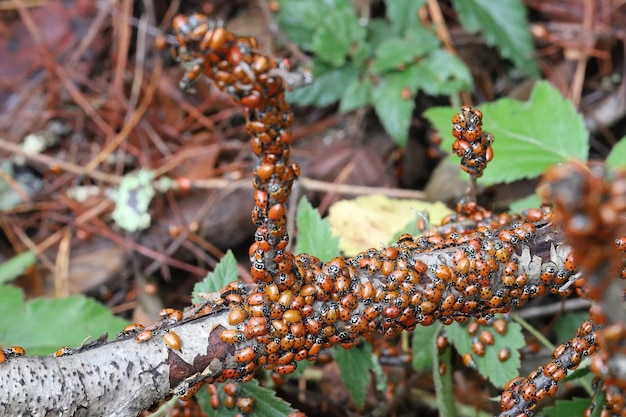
(358, 94)
(299, 19)
(617, 156)
(489, 366)
(423, 346)
(378, 31)
(394, 52)
(504, 24)
(40, 325)
(267, 404)
(567, 325)
(393, 110)
(132, 200)
(329, 86)
(403, 13)
(224, 273)
(441, 73)
(529, 139)
(338, 36)
(568, 408)
(14, 267)
(314, 233)
(355, 365)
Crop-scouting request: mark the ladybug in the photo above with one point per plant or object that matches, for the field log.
(172, 340)
(432, 294)
(186, 394)
(130, 330)
(214, 396)
(486, 293)
(507, 401)
(472, 328)
(246, 404)
(486, 337)
(528, 391)
(478, 347)
(144, 336)
(237, 315)
(504, 354)
(468, 361)
(292, 316)
(442, 343)
(585, 328)
(500, 326)
(63, 351)
(245, 355)
(286, 369)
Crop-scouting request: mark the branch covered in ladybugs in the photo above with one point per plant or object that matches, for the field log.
(380, 291)
(474, 265)
(521, 395)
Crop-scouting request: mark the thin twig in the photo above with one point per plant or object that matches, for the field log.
(444, 35)
(581, 66)
(128, 127)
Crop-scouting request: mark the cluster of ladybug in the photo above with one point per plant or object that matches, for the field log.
(472, 145)
(475, 265)
(590, 209)
(521, 395)
(258, 83)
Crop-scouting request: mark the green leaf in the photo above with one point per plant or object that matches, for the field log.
(329, 86)
(504, 24)
(132, 200)
(314, 233)
(394, 52)
(444, 388)
(338, 36)
(529, 138)
(568, 408)
(403, 13)
(41, 325)
(378, 31)
(531, 201)
(499, 373)
(224, 273)
(379, 373)
(12, 302)
(14, 267)
(267, 404)
(392, 109)
(567, 325)
(441, 73)
(617, 156)
(358, 94)
(355, 365)
(423, 346)
(299, 20)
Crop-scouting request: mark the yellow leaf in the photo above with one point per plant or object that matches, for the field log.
(374, 220)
